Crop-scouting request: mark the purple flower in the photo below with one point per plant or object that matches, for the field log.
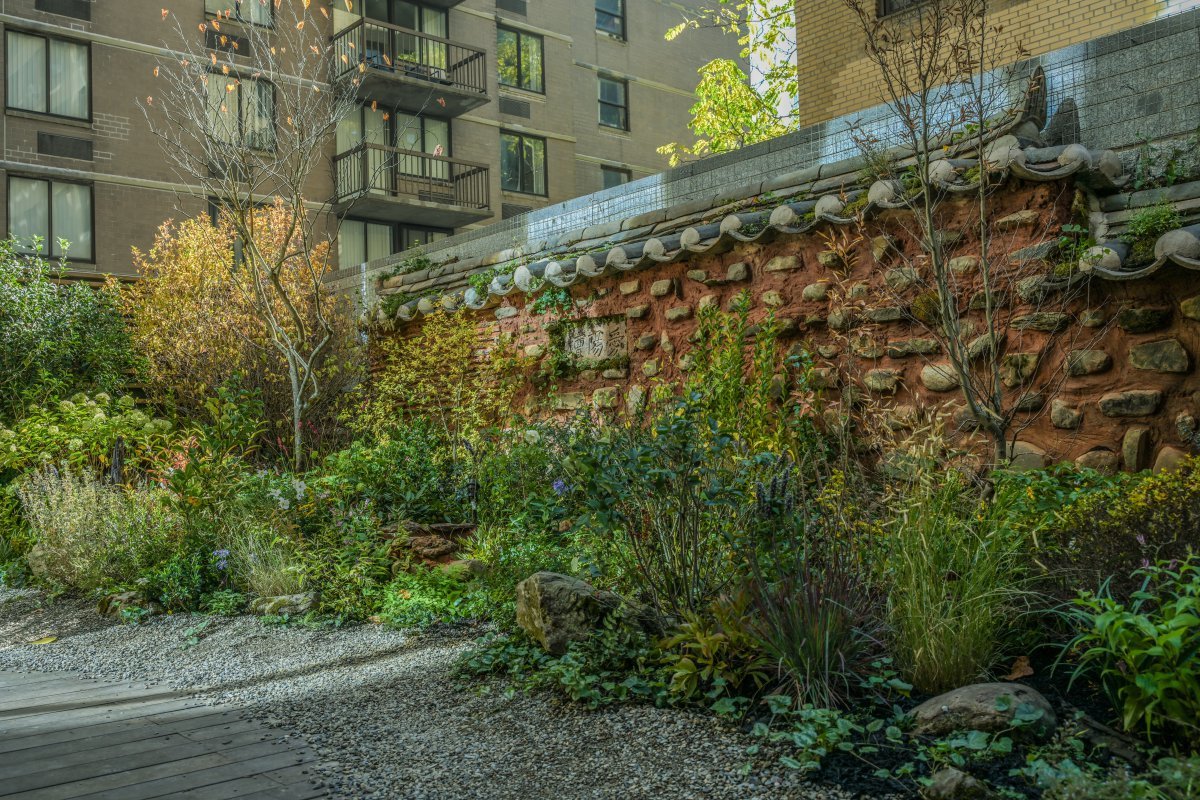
(221, 556)
(560, 487)
(1141, 539)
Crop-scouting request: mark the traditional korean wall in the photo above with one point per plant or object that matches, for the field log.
(1105, 378)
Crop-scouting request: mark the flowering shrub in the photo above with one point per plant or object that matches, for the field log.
(55, 338)
(92, 535)
(80, 433)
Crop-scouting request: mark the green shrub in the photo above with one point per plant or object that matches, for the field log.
(715, 656)
(1146, 653)
(263, 558)
(511, 554)
(55, 339)
(181, 581)
(223, 603)
(349, 564)
(1147, 225)
(954, 584)
(423, 596)
(90, 535)
(1128, 524)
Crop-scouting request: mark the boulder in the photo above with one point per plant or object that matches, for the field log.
(114, 604)
(939, 377)
(1143, 320)
(1064, 416)
(953, 784)
(292, 605)
(1131, 403)
(1135, 448)
(1169, 459)
(1087, 362)
(1103, 461)
(882, 381)
(1025, 456)
(556, 610)
(987, 707)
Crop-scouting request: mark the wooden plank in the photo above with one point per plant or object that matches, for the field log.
(80, 701)
(208, 727)
(64, 696)
(24, 726)
(181, 719)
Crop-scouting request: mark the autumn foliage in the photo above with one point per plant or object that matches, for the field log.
(198, 323)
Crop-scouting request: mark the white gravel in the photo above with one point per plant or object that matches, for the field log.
(388, 718)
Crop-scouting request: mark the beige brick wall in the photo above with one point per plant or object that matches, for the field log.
(836, 78)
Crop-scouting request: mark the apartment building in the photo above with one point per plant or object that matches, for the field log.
(470, 111)
(837, 78)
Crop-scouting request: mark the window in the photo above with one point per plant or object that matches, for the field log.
(519, 59)
(522, 163)
(610, 17)
(255, 12)
(360, 240)
(887, 7)
(52, 210)
(49, 76)
(614, 104)
(403, 131)
(614, 176)
(242, 111)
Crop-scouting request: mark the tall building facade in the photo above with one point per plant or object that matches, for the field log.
(470, 111)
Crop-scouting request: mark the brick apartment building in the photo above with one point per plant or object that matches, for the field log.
(539, 101)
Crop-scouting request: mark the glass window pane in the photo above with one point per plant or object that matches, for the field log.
(531, 63)
(377, 9)
(379, 241)
(256, 11)
(437, 134)
(611, 6)
(28, 210)
(351, 244)
(510, 162)
(507, 64)
(434, 22)
(406, 15)
(223, 108)
(535, 155)
(68, 79)
(259, 110)
(26, 72)
(72, 204)
(612, 91)
(349, 131)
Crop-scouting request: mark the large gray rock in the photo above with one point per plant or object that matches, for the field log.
(1131, 403)
(1167, 355)
(556, 610)
(292, 605)
(987, 707)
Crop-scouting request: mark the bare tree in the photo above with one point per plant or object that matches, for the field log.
(938, 64)
(247, 121)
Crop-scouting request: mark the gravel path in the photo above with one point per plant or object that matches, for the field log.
(387, 717)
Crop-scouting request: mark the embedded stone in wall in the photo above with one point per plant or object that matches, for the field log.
(857, 290)
(1103, 461)
(1190, 307)
(635, 399)
(900, 279)
(1135, 449)
(595, 340)
(979, 301)
(939, 377)
(816, 291)
(984, 345)
(783, 264)
(646, 341)
(535, 350)
(678, 313)
(697, 275)
(666, 344)
(828, 350)
(1064, 416)
(840, 319)
(707, 301)
(1026, 455)
(1047, 321)
(882, 247)
(772, 298)
(1131, 403)
(1093, 318)
(889, 314)
(506, 312)
(737, 272)
(964, 265)
(866, 347)
(1017, 220)
(637, 312)
(1018, 368)
(661, 288)
(883, 381)
(630, 287)
(1167, 355)
(650, 367)
(568, 401)
(912, 347)
(1029, 402)
(1169, 459)
(1143, 320)
(1087, 362)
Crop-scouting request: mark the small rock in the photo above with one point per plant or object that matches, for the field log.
(939, 377)
(889, 314)
(783, 264)
(816, 291)
(697, 275)
(706, 302)
(1093, 318)
(630, 287)
(1029, 402)
(1026, 455)
(646, 341)
(1018, 368)
(900, 279)
(650, 367)
(1087, 362)
(1103, 461)
(605, 397)
(661, 288)
(1131, 403)
(987, 707)
(1064, 416)
(840, 319)
(1166, 355)
(1135, 449)
(738, 271)
(506, 312)
(1190, 307)
(1017, 220)
(635, 399)
(772, 298)
(637, 312)
(912, 347)
(666, 344)
(1048, 321)
(678, 313)
(535, 350)
(882, 381)
(292, 605)
(1143, 320)
(953, 784)
(964, 265)
(1169, 459)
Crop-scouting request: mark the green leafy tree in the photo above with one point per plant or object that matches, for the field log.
(732, 109)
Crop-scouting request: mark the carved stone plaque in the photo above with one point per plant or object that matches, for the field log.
(596, 340)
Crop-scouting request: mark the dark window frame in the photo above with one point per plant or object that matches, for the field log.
(606, 169)
(241, 111)
(890, 8)
(521, 139)
(393, 130)
(399, 232)
(605, 14)
(445, 12)
(51, 239)
(520, 34)
(622, 109)
(237, 15)
(47, 37)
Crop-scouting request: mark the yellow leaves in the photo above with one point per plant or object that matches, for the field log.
(149, 100)
(224, 69)
(203, 27)
(300, 25)
(213, 57)
(165, 13)
(216, 25)
(156, 72)
(45, 640)
(324, 12)
(374, 105)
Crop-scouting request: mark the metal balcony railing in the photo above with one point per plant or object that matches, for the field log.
(392, 172)
(412, 54)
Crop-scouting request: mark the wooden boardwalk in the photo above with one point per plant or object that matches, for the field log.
(63, 736)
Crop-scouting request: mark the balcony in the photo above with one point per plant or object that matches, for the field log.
(412, 71)
(387, 183)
